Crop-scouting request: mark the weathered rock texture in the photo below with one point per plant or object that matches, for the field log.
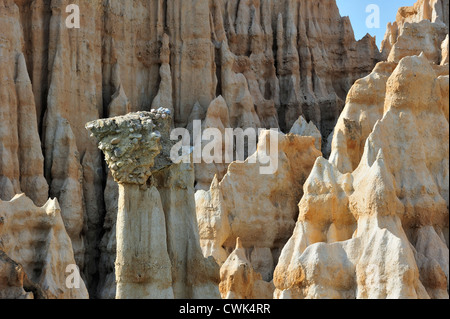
(283, 64)
(217, 117)
(240, 281)
(259, 209)
(303, 128)
(421, 29)
(21, 157)
(381, 230)
(373, 222)
(364, 107)
(35, 251)
(272, 61)
(12, 279)
(444, 54)
(158, 251)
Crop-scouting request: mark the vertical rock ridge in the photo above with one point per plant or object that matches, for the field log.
(272, 61)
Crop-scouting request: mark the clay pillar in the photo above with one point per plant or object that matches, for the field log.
(131, 144)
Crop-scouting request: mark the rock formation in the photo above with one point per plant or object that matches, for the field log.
(12, 279)
(158, 252)
(414, 34)
(364, 107)
(106, 289)
(398, 208)
(331, 210)
(164, 96)
(418, 28)
(294, 79)
(21, 162)
(35, 251)
(217, 117)
(270, 60)
(415, 38)
(240, 280)
(376, 215)
(287, 65)
(259, 209)
(236, 93)
(303, 128)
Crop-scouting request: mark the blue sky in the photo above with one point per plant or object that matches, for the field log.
(356, 10)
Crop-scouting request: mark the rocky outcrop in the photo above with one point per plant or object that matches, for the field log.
(444, 48)
(36, 251)
(106, 289)
(272, 61)
(415, 38)
(11, 279)
(376, 263)
(240, 280)
(131, 143)
(21, 160)
(372, 221)
(421, 29)
(193, 276)
(158, 252)
(364, 107)
(14, 282)
(236, 93)
(71, 96)
(398, 208)
(295, 78)
(362, 218)
(259, 209)
(66, 174)
(418, 28)
(164, 97)
(22, 170)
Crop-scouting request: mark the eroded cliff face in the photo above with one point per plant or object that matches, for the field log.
(240, 280)
(422, 29)
(133, 56)
(373, 219)
(418, 28)
(34, 243)
(259, 209)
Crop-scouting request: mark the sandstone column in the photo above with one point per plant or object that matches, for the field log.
(131, 143)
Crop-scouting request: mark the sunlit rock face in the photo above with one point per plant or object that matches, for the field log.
(131, 143)
(371, 202)
(382, 228)
(36, 252)
(272, 61)
(157, 244)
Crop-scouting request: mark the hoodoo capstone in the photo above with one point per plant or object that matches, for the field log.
(136, 147)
